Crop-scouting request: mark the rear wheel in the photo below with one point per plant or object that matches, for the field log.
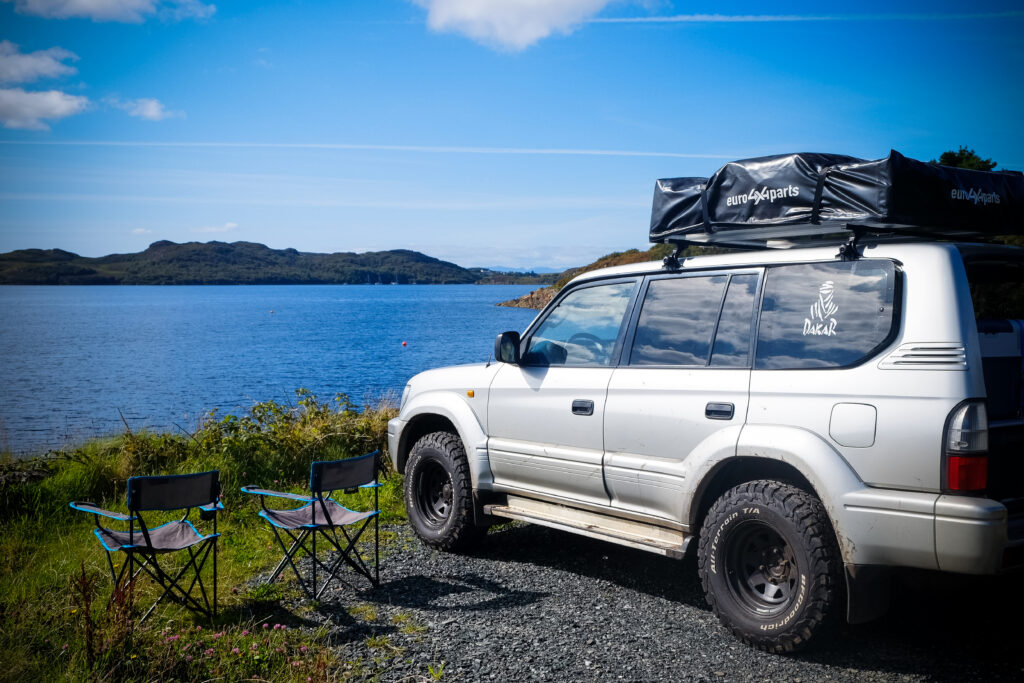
(769, 564)
(439, 492)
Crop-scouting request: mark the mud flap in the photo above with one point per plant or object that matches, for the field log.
(867, 592)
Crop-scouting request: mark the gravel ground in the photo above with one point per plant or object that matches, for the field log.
(531, 603)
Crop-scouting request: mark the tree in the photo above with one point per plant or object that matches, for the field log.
(965, 158)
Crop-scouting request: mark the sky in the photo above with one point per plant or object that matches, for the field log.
(500, 133)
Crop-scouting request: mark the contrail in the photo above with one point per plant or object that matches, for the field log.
(377, 148)
(767, 18)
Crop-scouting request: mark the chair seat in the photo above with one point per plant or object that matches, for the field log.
(303, 517)
(166, 538)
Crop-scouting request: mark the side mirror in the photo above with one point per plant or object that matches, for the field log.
(506, 348)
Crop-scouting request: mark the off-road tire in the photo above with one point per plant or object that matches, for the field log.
(769, 565)
(439, 493)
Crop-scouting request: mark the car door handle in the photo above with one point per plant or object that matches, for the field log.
(582, 407)
(719, 411)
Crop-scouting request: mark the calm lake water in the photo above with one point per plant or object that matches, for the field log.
(73, 356)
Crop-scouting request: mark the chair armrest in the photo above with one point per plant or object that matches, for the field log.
(371, 485)
(255, 490)
(85, 506)
(215, 506)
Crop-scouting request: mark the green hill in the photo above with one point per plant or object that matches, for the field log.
(221, 263)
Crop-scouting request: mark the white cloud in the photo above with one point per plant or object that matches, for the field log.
(22, 67)
(128, 11)
(141, 231)
(148, 108)
(509, 24)
(227, 227)
(20, 109)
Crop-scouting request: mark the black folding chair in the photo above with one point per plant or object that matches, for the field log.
(142, 544)
(324, 517)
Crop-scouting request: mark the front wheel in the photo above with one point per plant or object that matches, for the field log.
(439, 492)
(769, 564)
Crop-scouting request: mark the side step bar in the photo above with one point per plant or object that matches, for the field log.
(655, 539)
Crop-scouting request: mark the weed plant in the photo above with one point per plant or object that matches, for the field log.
(60, 618)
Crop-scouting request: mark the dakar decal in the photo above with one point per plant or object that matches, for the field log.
(823, 322)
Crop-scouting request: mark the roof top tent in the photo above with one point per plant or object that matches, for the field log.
(777, 201)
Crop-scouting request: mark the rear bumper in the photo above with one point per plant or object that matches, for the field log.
(929, 531)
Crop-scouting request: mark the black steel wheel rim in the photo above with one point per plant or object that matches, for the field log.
(434, 494)
(761, 569)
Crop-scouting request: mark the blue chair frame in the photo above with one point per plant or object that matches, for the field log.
(323, 516)
(142, 544)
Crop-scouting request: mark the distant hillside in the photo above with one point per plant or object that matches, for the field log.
(539, 298)
(220, 263)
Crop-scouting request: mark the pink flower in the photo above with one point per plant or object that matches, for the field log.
(245, 632)
(266, 625)
(254, 646)
(188, 658)
(302, 649)
(277, 626)
(208, 652)
(234, 651)
(296, 664)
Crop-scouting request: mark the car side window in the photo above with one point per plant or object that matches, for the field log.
(677, 321)
(825, 315)
(732, 340)
(583, 328)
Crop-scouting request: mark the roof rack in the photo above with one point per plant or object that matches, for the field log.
(819, 199)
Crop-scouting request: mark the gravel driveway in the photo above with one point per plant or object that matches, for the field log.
(532, 603)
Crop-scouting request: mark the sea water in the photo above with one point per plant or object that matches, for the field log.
(74, 360)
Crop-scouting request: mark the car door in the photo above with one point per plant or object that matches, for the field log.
(682, 385)
(546, 414)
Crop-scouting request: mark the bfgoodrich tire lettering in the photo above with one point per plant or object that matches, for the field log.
(438, 492)
(769, 564)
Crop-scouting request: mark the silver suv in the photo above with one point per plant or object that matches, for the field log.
(806, 420)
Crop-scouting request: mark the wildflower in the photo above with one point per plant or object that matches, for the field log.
(65, 646)
(302, 649)
(74, 611)
(277, 627)
(208, 652)
(199, 628)
(235, 651)
(296, 664)
(254, 646)
(265, 625)
(188, 658)
(245, 632)
(279, 650)
(134, 656)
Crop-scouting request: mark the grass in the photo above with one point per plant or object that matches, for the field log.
(58, 616)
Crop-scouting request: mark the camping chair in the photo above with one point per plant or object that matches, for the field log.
(142, 544)
(324, 517)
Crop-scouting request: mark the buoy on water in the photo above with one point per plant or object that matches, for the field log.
(404, 344)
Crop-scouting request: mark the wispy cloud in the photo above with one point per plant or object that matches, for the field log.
(427, 149)
(25, 67)
(141, 231)
(508, 24)
(148, 108)
(768, 18)
(126, 11)
(227, 227)
(26, 110)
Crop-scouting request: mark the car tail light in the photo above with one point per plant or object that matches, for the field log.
(966, 447)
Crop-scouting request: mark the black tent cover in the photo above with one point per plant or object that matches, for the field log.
(795, 195)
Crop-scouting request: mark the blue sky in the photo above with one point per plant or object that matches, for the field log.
(502, 133)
